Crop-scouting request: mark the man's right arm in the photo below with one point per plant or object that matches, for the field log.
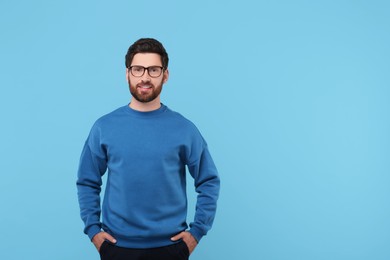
(93, 165)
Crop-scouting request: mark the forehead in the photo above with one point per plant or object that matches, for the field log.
(147, 59)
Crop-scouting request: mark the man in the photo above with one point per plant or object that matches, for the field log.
(145, 148)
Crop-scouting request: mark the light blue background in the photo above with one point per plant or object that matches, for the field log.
(293, 98)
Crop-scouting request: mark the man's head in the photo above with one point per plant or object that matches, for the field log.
(146, 70)
(147, 45)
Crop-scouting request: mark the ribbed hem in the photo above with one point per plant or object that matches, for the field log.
(142, 243)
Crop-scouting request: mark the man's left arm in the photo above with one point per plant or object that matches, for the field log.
(207, 185)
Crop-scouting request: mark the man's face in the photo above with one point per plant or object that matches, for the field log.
(146, 88)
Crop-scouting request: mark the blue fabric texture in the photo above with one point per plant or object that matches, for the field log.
(145, 155)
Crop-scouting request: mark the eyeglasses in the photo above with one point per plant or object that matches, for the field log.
(153, 71)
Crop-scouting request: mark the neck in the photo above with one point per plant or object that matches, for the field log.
(145, 107)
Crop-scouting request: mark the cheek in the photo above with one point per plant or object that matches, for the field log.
(131, 83)
(162, 82)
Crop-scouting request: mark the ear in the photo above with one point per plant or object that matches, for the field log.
(166, 75)
(127, 74)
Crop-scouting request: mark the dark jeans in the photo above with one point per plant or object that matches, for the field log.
(177, 251)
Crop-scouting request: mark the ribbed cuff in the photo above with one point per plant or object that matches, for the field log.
(93, 230)
(196, 233)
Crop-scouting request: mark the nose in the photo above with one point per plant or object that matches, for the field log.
(145, 77)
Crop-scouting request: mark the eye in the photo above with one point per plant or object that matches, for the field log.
(137, 69)
(154, 69)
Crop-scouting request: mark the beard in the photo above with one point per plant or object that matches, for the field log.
(149, 94)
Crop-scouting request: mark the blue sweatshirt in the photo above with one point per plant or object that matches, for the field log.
(145, 155)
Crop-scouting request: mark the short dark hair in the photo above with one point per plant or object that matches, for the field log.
(147, 45)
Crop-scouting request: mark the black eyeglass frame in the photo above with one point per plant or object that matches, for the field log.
(144, 69)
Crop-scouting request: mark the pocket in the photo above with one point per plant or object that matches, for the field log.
(184, 248)
(103, 247)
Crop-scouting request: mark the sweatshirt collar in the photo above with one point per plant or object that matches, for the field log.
(147, 114)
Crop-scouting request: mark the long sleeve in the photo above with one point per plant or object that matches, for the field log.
(93, 165)
(207, 184)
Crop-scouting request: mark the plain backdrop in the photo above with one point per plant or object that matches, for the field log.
(293, 98)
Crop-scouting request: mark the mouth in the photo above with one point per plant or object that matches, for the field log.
(145, 86)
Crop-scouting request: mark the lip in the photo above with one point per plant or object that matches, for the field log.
(145, 87)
